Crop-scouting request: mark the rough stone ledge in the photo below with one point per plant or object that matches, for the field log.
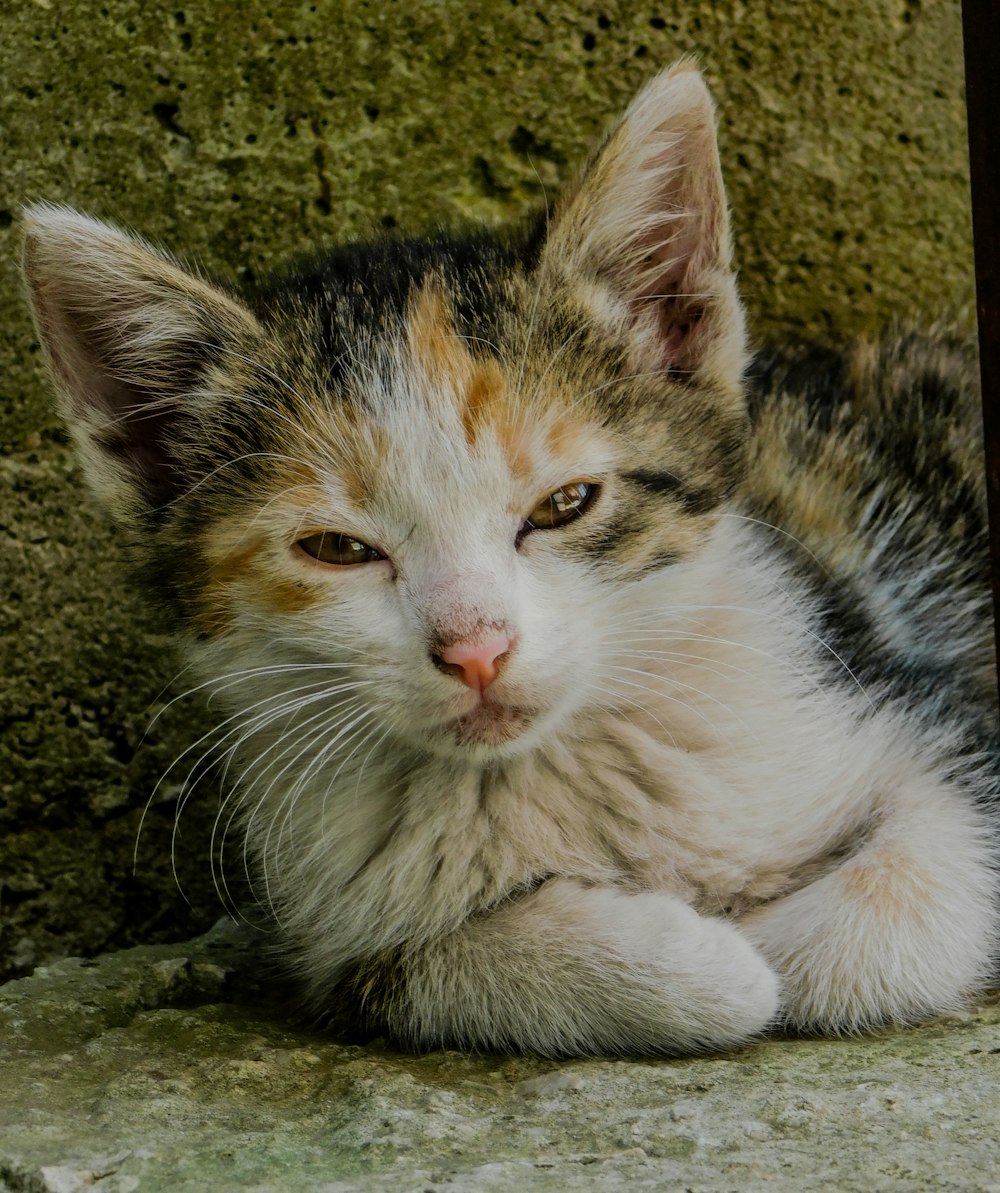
(170, 1068)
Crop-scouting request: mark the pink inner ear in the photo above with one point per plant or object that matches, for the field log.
(672, 343)
(670, 300)
(649, 222)
(133, 425)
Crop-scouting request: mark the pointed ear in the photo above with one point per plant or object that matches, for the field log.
(643, 237)
(131, 337)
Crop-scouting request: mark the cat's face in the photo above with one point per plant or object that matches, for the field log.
(453, 525)
(442, 478)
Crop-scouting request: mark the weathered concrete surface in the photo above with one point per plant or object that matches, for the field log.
(243, 132)
(163, 1068)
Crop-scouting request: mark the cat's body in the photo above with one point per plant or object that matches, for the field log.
(558, 729)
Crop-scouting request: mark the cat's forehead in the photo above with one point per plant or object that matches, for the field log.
(432, 407)
(488, 393)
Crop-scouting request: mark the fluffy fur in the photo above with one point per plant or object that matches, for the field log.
(727, 759)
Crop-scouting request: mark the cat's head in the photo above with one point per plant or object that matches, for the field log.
(441, 471)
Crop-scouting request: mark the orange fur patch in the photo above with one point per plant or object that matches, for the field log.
(234, 558)
(480, 388)
(356, 455)
(361, 461)
(430, 333)
(352, 475)
(283, 596)
(224, 567)
(508, 422)
(887, 881)
(483, 395)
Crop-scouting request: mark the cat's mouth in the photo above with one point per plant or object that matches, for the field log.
(491, 724)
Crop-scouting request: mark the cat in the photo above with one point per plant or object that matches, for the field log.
(586, 697)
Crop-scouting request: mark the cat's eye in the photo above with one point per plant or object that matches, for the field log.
(329, 547)
(562, 506)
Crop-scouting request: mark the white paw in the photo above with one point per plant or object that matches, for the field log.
(730, 989)
(709, 988)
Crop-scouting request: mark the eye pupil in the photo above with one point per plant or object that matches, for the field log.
(340, 549)
(562, 506)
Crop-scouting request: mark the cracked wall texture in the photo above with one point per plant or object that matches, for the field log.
(241, 133)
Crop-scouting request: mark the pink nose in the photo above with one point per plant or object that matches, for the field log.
(475, 663)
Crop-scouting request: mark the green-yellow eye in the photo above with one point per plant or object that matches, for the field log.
(562, 506)
(330, 547)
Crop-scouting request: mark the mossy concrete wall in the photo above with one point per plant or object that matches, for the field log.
(241, 133)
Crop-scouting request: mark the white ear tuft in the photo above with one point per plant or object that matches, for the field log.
(647, 223)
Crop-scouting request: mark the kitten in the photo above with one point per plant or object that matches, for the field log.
(575, 711)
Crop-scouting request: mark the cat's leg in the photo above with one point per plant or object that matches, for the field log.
(904, 928)
(571, 969)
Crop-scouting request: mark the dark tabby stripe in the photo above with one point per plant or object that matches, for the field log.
(695, 501)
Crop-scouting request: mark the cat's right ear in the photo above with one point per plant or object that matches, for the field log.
(131, 337)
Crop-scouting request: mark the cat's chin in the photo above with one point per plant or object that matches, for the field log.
(487, 733)
(491, 725)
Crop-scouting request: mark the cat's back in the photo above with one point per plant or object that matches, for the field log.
(870, 461)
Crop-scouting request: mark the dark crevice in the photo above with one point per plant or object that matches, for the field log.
(325, 199)
(166, 114)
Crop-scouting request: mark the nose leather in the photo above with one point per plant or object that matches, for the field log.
(476, 663)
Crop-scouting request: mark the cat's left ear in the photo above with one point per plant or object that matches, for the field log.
(642, 240)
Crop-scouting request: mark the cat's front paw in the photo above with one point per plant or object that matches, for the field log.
(727, 989)
(671, 980)
(573, 969)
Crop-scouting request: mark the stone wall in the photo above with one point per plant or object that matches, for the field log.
(241, 133)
